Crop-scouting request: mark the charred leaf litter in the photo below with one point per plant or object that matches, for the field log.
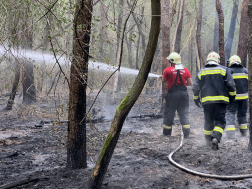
(35, 156)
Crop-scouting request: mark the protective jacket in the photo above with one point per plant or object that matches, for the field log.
(215, 83)
(240, 76)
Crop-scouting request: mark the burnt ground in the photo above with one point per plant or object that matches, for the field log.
(140, 159)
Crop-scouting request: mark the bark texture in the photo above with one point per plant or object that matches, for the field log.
(231, 31)
(216, 34)
(243, 36)
(198, 34)
(250, 72)
(165, 37)
(180, 28)
(125, 106)
(221, 32)
(76, 143)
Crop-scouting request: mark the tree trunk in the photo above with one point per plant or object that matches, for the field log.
(139, 27)
(221, 32)
(216, 34)
(250, 71)
(29, 91)
(129, 46)
(119, 26)
(103, 23)
(125, 106)
(178, 30)
(243, 37)
(198, 34)
(118, 49)
(137, 52)
(14, 87)
(165, 42)
(76, 141)
(231, 30)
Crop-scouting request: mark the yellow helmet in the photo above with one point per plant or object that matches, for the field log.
(234, 59)
(174, 58)
(213, 56)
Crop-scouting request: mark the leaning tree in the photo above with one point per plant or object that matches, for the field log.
(125, 106)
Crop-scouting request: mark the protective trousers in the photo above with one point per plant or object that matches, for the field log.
(215, 121)
(241, 107)
(176, 101)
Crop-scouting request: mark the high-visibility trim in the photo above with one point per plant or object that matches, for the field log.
(243, 126)
(240, 76)
(215, 98)
(167, 127)
(230, 128)
(195, 97)
(218, 129)
(232, 93)
(208, 71)
(186, 126)
(208, 132)
(241, 96)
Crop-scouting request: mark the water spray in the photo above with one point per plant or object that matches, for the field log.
(223, 177)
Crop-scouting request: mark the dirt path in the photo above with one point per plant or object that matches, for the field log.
(140, 159)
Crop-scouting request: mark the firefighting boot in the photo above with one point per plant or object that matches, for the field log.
(215, 145)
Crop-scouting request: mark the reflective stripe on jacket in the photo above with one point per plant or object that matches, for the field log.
(240, 76)
(214, 83)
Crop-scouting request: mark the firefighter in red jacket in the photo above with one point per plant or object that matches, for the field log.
(177, 78)
(216, 87)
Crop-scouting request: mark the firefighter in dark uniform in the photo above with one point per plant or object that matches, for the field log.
(216, 87)
(240, 104)
(177, 78)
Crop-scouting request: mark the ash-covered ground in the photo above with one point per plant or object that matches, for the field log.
(140, 159)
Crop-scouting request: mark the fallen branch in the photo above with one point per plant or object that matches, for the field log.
(22, 182)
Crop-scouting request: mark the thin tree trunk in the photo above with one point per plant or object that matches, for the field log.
(180, 29)
(216, 34)
(119, 26)
(243, 37)
(125, 106)
(221, 32)
(250, 71)
(129, 47)
(29, 90)
(76, 141)
(177, 27)
(137, 52)
(116, 76)
(118, 49)
(165, 42)
(231, 30)
(14, 87)
(139, 27)
(198, 34)
(103, 23)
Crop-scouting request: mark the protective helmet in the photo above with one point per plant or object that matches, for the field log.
(234, 59)
(213, 56)
(174, 58)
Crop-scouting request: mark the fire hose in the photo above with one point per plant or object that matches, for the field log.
(226, 177)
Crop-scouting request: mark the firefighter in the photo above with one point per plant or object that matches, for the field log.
(177, 78)
(240, 104)
(215, 85)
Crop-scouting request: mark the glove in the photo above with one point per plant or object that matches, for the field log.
(198, 103)
(231, 99)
